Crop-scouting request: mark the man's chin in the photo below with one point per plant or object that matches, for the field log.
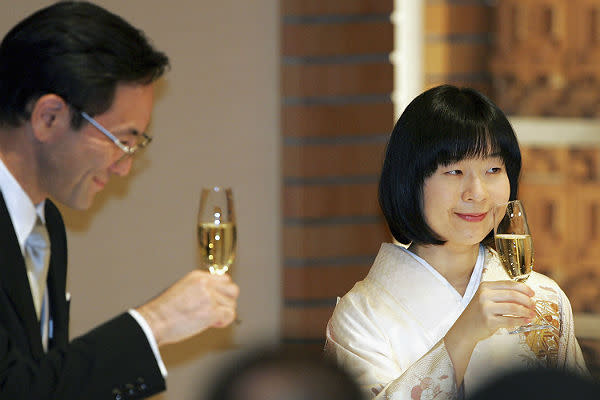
(80, 204)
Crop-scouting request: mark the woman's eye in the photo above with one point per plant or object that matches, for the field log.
(494, 170)
(454, 172)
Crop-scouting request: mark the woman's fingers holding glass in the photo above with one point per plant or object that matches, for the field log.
(508, 285)
(503, 304)
(511, 322)
(507, 292)
(512, 310)
(510, 297)
(496, 315)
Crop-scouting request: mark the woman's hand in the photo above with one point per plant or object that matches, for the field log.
(498, 304)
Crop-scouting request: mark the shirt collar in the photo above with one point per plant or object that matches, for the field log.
(21, 209)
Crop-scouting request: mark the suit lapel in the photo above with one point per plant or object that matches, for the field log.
(13, 278)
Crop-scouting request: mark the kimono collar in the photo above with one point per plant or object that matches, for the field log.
(419, 288)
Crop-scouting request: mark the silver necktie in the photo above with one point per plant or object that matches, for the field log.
(37, 257)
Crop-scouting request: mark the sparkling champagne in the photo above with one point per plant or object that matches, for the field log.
(217, 246)
(516, 254)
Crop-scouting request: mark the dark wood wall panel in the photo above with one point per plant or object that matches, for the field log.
(560, 187)
(306, 322)
(337, 39)
(322, 281)
(548, 219)
(316, 201)
(456, 58)
(457, 43)
(333, 160)
(479, 83)
(587, 234)
(335, 80)
(337, 119)
(337, 7)
(545, 58)
(445, 18)
(336, 115)
(338, 240)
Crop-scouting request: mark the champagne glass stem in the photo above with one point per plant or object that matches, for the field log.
(534, 325)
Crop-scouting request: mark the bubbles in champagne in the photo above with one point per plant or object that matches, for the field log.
(217, 246)
(516, 254)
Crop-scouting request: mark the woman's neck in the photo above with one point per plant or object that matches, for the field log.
(454, 264)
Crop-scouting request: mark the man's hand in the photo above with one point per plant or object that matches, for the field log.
(193, 304)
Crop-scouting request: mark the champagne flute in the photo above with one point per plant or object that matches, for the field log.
(515, 248)
(217, 235)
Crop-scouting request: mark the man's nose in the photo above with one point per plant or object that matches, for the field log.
(122, 166)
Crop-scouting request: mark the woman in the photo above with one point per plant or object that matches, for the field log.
(432, 319)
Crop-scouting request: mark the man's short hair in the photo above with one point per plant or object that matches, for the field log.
(443, 125)
(76, 50)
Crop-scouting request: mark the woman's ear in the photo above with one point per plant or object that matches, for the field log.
(50, 117)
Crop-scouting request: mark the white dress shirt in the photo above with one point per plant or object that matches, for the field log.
(23, 214)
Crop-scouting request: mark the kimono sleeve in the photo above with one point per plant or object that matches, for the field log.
(358, 342)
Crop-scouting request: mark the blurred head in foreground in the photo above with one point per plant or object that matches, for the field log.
(548, 384)
(277, 374)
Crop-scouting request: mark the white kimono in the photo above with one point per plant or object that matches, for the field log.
(388, 330)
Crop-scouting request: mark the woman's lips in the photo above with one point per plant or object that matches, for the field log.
(472, 217)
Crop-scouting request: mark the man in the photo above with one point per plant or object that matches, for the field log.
(76, 94)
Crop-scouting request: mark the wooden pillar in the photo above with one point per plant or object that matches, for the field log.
(457, 43)
(336, 116)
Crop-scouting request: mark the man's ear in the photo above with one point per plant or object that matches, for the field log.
(50, 117)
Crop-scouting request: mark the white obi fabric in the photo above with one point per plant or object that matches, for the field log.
(388, 330)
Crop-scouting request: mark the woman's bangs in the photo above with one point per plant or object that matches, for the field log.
(467, 143)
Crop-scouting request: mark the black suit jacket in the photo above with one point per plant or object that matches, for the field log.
(113, 361)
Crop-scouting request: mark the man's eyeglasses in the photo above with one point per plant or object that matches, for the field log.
(129, 151)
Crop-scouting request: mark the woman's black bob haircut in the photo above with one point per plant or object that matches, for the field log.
(443, 125)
